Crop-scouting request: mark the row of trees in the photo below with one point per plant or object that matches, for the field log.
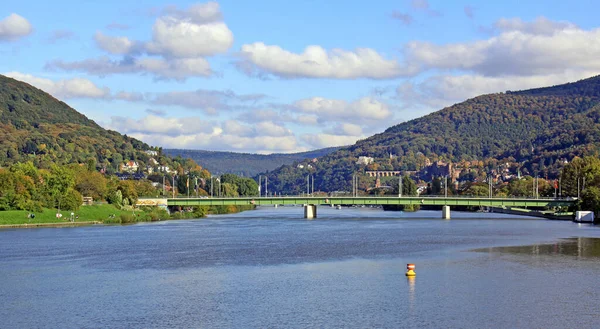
(25, 187)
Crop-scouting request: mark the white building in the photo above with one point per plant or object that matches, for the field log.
(365, 160)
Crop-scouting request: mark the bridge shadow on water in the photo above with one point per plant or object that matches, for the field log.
(581, 247)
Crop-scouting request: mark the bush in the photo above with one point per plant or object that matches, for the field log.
(128, 218)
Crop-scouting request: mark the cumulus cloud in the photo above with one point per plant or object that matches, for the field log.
(540, 26)
(69, 88)
(181, 41)
(152, 124)
(130, 96)
(14, 27)
(444, 90)
(316, 62)
(328, 140)
(194, 133)
(362, 110)
(174, 37)
(114, 45)
(210, 101)
(528, 51)
(178, 69)
(345, 129)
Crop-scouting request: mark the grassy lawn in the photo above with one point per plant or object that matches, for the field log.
(85, 213)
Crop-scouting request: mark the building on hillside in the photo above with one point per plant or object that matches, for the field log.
(129, 166)
(363, 160)
(152, 153)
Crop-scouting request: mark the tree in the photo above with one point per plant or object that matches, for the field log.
(59, 183)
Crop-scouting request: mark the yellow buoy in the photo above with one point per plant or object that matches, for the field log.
(410, 270)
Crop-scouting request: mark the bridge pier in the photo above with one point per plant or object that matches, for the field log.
(310, 211)
(445, 212)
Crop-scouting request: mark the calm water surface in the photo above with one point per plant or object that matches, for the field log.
(271, 269)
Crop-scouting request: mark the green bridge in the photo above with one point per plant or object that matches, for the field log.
(310, 202)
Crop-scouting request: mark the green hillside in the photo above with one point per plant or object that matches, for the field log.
(34, 126)
(245, 164)
(534, 130)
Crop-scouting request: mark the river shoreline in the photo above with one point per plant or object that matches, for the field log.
(35, 225)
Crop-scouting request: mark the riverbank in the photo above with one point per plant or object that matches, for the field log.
(68, 224)
(105, 214)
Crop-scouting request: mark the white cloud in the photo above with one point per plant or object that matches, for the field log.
(178, 69)
(114, 45)
(181, 40)
(69, 88)
(316, 62)
(269, 128)
(194, 133)
(360, 111)
(328, 140)
(345, 129)
(13, 27)
(130, 96)
(200, 13)
(521, 50)
(540, 26)
(207, 100)
(173, 37)
(441, 91)
(152, 124)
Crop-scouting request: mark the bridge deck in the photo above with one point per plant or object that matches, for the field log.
(387, 200)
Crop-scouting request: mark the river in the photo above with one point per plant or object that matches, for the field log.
(269, 268)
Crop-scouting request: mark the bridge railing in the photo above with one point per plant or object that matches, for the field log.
(380, 196)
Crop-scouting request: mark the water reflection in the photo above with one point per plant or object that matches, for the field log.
(581, 247)
(410, 280)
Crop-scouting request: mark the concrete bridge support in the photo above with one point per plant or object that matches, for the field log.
(310, 211)
(445, 212)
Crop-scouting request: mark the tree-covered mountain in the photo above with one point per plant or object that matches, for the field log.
(36, 127)
(245, 164)
(536, 130)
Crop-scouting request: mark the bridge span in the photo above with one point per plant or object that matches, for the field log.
(310, 203)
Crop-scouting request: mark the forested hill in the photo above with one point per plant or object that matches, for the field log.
(532, 128)
(34, 126)
(245, 164)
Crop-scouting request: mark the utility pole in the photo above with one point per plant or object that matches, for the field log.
(267, 186)
(313, 185)
(446, 187)
(173, 187)
(559, 188)
(164, 187)
(400, 186)
(211, 186)
(259, 182)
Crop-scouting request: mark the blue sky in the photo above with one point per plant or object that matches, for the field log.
(280, 76)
